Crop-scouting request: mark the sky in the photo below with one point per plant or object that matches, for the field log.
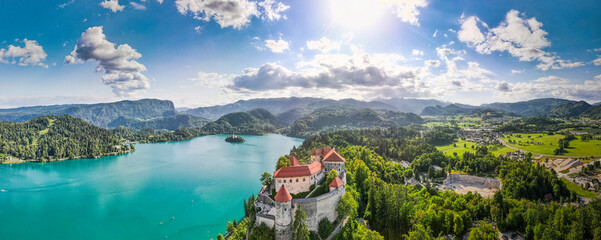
(201, 53)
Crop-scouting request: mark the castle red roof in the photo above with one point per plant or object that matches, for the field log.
(336, 183)
(283, 195)
(320, 151)
(333, 156)
(294, 161)
(298, 171)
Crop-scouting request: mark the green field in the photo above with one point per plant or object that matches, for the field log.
(578, 190)
(546, 144)
(436, 124)
(458, 148)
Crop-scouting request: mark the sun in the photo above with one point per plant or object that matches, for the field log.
(356, 14)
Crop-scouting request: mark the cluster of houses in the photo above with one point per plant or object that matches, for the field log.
(480, 136)
(517, 155)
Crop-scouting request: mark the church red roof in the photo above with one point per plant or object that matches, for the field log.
(294, 161)
(283, 195)
(333, 156)
(298, 171)
(336, 183)
(320, 151)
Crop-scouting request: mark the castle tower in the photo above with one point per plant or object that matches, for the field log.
(283, 214)
(336, 183)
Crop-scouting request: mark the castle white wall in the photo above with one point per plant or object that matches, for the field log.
(298, 184)
(320, 207)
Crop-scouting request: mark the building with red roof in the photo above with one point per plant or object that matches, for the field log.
(283, 195)
(336, 183)
(294, 161)
(299, 178)
(318, 154)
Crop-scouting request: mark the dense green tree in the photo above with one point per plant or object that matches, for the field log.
(266, 179)
(484, 231)
(283, 161)
(300, 230)
(348, 205)
(331, 176)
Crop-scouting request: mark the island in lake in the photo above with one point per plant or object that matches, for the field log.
(234, 139)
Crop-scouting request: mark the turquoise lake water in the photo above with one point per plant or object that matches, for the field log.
(200, 183)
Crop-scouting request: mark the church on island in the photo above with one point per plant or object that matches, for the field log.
(279, 211)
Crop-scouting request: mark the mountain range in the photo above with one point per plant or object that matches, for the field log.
(293, 106)
(153, 113)
(294, 116)
(552, 107)
(326, 120)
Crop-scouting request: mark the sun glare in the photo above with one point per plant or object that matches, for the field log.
(356, 14)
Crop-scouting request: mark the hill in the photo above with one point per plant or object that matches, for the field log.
(325, 120)
(412, 105)
(171, 123)
(256, 121)
(570, 109)
(535, 107)
(451, 109)
(100, 114)
(593, 112)
(55, 138)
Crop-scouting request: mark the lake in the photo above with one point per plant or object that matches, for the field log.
(193, 187)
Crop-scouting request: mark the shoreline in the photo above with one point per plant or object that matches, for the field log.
(64, 159)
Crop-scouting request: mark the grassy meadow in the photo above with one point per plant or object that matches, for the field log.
(458, 147)
(546, 144)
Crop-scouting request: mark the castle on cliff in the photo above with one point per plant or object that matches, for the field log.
(295, 179)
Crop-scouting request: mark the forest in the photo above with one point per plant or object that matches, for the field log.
(532, 200)
(51, 138)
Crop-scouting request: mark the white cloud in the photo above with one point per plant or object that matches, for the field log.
(360, 72)
(232, 13)
(66, 4)
(212, 80)
(468, 78)
(277, 46)
(113, 5)
(121, 71)
(32, 54)
(324, 45)
(552, 80)
(435, 33)
(590, 90)
(160, 1)
(416, 52)
(503, 87)
(198, 29)
(407, 10)
(137, 6)
(513, 71)
(470, 32)
(522, 38)
(432, 63)
(272, 10)
(597, 49)
(597, 61)
(227, 13)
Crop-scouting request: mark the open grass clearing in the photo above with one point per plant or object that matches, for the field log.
(578, 190)
(546, 144)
